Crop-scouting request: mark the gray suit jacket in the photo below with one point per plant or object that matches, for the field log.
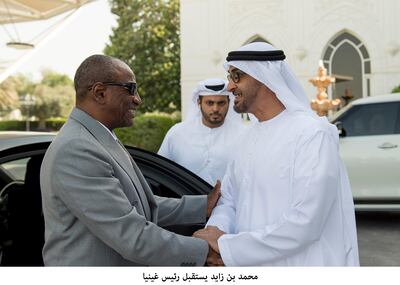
(99, 210)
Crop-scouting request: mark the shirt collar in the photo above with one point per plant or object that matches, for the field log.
(111, 132)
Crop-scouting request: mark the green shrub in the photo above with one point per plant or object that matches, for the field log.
(54, 124)
(396, 89)
(148, 130)
(14, 125)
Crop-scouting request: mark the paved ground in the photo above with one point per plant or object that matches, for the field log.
(379, 239)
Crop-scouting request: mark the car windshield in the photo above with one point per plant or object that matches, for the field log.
(339, 113)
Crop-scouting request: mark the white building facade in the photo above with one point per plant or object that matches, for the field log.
(358, 39)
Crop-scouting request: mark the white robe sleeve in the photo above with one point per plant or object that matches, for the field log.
(223, 215)
(165, 148)
(315, 189)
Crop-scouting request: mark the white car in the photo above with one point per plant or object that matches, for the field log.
(369, 131)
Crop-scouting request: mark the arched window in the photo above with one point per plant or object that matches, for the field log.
(347, 57)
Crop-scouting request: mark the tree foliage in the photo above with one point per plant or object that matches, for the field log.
(46, 104)
(61, 91)
(9, 94)
(147, 39)
(53, 79)
(53, 95)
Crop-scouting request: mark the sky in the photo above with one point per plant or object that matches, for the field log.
(66, 45)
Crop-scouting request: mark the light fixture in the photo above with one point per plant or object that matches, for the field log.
(20, 45)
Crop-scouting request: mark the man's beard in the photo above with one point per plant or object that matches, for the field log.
(241, 108)
(245, 102)
(212, 121)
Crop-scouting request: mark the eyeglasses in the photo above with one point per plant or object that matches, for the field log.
(234, 75)
(130, 86)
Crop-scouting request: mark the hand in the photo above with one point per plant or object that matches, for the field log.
(214, 259)
(212, 198)
(210, 234)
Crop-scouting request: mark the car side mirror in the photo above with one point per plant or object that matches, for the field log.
(339, 126)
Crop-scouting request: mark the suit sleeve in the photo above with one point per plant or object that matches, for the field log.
(186, 210)
(84, 180)
(315, 181)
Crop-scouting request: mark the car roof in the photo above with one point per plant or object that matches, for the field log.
(9, 139)
(387, 98)
(377, 99)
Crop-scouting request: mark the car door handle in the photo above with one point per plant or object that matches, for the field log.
(387, 145)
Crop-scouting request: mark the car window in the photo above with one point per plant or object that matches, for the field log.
(370, 119)
(167, 178)
(15, 169)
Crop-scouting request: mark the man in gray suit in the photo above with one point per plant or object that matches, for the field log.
(97, 206)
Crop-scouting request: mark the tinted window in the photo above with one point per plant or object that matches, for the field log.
(370, 119)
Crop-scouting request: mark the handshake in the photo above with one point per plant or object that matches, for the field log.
(211, 235)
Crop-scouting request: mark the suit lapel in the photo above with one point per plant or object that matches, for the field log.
(102, 136)
(118, 153)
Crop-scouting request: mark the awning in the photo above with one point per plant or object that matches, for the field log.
(14, 11)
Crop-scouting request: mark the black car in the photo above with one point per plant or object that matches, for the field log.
(21, 217)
